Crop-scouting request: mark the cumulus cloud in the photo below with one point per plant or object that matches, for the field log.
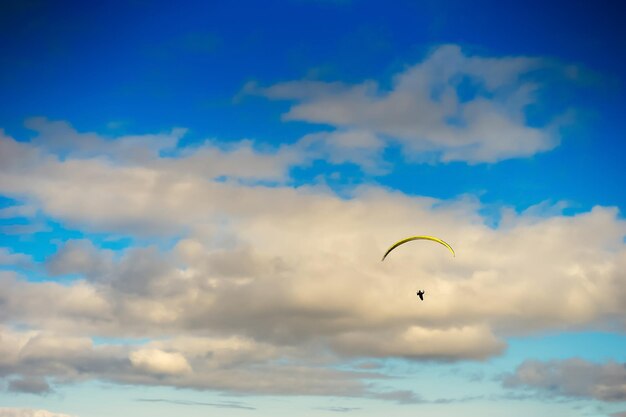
(224, 364)
(265, 289)
(573, 378)
(457, 106)
(36, 355)
(79, 257)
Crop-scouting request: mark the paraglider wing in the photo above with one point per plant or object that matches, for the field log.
(408, 239)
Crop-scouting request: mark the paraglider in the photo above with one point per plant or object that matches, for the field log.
(419, 293)
(408, 239)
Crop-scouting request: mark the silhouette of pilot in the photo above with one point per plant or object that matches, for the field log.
(420, 294)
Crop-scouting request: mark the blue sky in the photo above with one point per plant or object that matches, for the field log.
(194, 199)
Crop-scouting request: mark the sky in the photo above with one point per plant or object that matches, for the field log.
(195, 197)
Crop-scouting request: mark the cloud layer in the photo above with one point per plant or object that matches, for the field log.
(266, 289)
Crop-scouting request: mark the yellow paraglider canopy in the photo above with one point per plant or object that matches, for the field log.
(408, 239)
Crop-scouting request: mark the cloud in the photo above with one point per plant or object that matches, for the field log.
(37, 355)
(158, 362)
(457, 400)
(79, 257)
(267, 289)
(207, 159)
(29, 385)
(227, 404)
(60, 138)
(400, 396)
(476, 342)
(29, 412)
(48, 165)
(361, 147)
(572, 378)
(338, 409)
(452, 106)
(24, 229)
(228, 365)
(17, 211)
(7, 257)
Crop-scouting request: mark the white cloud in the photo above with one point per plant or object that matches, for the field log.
(60, 138)
(29, 412)
(279, 271)
(268, 288)
(158, 362)
(209, 159)
(461, 107)
(239, 160)
(473, 342)
(361, 147)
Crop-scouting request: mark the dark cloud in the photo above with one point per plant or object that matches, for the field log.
(400, 396)
(572, 378)
(37, 386)
(79, 257)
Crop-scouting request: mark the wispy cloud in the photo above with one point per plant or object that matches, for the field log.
(452, 400)
(8, 257)
(338, 409)
(226, 404)
(452, 106)
(17, 211)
